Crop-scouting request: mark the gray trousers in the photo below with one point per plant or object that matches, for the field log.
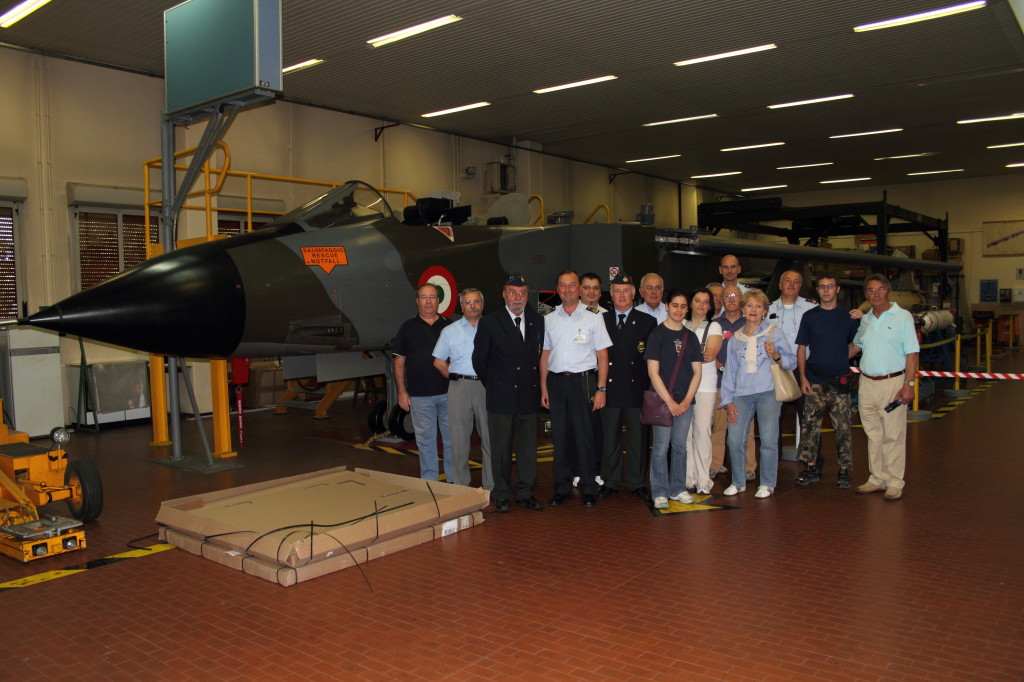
(467, 402)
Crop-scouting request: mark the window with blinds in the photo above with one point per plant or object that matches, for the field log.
(8, 272)
(109, 242)
(233, 227)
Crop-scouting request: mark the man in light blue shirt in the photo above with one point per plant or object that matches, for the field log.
(467, 399)
(888, 370)
(652, 289)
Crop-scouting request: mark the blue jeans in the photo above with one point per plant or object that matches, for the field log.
(667, 478)
(766, 407)
(428, 412)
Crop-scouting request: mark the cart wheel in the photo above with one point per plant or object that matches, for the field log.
(400, 424)
(86, 501)
(377, 420)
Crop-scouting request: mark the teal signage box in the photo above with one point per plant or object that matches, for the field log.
(221, 51)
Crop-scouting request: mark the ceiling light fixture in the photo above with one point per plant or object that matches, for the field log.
(752, 146)
(715, 175)
(829, 182)
(413, 30)
(680, 120)
(1015, 165)
(20, 11)
(456, 109)
(869, 132)
(1019, 114)
(809, 101)
(950, 170)
(921, 16)
(655, 158)
(724, 55)
(805, 165)
(1004, 146)
(302, 65)
(904, 156)
(758, 189)
(589, 81)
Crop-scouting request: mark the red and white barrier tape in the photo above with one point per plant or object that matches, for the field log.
(963, 375)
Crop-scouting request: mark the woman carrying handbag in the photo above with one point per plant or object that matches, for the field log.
(674, 364)
(748, 390)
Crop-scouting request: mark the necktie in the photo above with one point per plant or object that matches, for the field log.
(519, 327)
(622, 320)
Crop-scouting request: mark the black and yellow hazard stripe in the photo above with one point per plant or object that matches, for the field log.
(46, 576)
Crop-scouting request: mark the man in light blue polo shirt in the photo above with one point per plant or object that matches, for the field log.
(888, 370)
(467, 399)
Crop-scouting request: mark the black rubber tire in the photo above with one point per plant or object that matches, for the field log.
(377, 419)
(83, 476)
(400, 424)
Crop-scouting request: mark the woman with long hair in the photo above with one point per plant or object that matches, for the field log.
(674, 365)
(748, 389)
(709, 333)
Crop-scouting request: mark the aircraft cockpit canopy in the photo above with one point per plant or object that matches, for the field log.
(353, 202)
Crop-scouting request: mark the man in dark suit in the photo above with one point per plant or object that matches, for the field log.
(506, 356)
(627, 380)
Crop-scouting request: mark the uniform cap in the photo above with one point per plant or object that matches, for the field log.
(515, 280)
(623, 278)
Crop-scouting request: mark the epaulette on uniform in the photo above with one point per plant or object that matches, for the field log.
(593, 309)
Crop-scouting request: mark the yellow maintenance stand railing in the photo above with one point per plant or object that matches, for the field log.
(213, 184)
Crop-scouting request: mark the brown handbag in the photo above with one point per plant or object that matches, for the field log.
(653, 410)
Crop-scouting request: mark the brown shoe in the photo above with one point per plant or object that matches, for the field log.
(869, 487)
(893, 494)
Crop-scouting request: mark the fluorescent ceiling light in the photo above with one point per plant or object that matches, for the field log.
(476, 105)
(655, 158)
(577, 84)
(805, 165)
(921, 16)
(715, 175)
(870, 132)
(752, 146)
(829, 182)
(413, 30)
(809, 101)
(1004, 146)
(734, 53)
(904, 156)
(950, 170)
(1015, 165)
(302, 65)
(20, 11)
(680, 120)
(758, 189)
(1019, 114)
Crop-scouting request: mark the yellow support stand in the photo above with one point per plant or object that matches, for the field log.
(158, 400)
(988, 348)
(956, 391)
(221, 410)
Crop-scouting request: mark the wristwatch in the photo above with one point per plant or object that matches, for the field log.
(911, 383)
(602, 389)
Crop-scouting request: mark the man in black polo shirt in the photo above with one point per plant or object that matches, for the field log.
(422, 390)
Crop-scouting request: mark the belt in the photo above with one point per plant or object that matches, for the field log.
(576, 374)
(884, 376)
(455, 377)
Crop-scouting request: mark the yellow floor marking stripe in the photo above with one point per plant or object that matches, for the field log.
(135, 553)
(46, 576)
(38, 578)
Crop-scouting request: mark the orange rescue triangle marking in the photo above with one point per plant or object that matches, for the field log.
(324, 256)
(700, 503)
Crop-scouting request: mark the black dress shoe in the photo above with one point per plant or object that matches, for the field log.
(531, 503)
(605, 491)
(558, 500)
(502, 507)
(590, 500)
(643, 493)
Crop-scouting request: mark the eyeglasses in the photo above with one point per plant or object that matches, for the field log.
(877, 290)
(731, 296)
(826, 286)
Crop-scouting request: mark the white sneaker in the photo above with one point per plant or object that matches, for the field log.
(733, 490)
(763, 491)
(703, 491)
(661, 503)
(684, 497)
(599, 481)
(575, 481)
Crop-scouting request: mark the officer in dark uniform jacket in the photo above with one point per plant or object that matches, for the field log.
(506, 356)
(627, 381)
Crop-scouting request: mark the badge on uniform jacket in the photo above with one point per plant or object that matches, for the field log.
(640, 347)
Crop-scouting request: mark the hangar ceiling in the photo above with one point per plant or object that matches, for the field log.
(920, 78)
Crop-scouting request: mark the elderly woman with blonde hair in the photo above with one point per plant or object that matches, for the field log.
(748, 391)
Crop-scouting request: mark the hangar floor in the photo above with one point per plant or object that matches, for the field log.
(812, 583)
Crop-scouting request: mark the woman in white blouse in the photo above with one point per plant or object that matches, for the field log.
(709, 333)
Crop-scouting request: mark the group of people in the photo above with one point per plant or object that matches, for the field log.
(706, 354)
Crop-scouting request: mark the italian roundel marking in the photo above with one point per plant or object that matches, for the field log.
(447, 290)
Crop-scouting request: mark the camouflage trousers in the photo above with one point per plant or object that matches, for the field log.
(840, 408)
